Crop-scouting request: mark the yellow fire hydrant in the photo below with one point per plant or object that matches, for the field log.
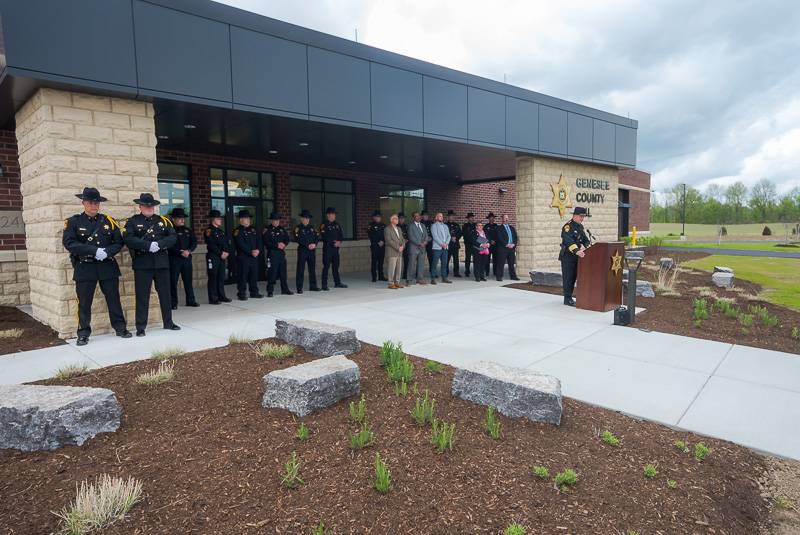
(633, 236)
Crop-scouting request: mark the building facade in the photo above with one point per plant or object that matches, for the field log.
(209, 106)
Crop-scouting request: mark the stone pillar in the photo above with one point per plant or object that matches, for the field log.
(539, 224)
(67, 141)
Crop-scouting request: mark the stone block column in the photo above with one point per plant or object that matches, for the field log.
(66, 141)
(539, 224)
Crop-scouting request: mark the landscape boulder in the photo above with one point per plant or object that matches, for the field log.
(314, 385)
(666, 263)
(34, 417)
(643, 288)
(318, 338)
(514, 392)
(546, 278)
(722, 269)
(722, 279)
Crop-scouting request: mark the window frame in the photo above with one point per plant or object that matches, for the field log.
(322, 179)
(187, 181)
(403, 197)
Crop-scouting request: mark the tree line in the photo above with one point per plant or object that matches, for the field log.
(733, 204)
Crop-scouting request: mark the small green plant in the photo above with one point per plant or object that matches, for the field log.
(609, 438)
(515, 529)
(650, 470)
(389, 352)
(783, 502)
(492, 425)
(698, 323)
(541, 472)
(383, 477)
(358, 411)
(442, 435)
(291, 477)
(433, 366)
(99, 504)
(363, 438)
(732, 312)
(567, 478)
(746, 320)
(763, 315)
(320, 529)
(414, 389)
(681, 446)
(167, 353)
(163, 374)
(236, 338)
(302, 432)
(423, 410)
(269, 350)
(726, 306)
(700, 309)
(672, 484)
(400, 369)
(401, 389)
(71, 370)
(701, 451)
(796, 333)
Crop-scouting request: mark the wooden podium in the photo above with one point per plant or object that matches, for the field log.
(600, 277)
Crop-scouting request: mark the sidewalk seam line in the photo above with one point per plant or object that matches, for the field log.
(700, 391)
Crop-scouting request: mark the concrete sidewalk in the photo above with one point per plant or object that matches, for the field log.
(746, 395)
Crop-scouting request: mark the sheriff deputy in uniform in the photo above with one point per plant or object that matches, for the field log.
(248, 248)
(330, 232)
(426, 220)
(573, 243)
(377, 248)
(468, 231)
(489, 229)
(275, 239)
(401, 222)
(306, 237)
(218, 248)
(180, 259)
(93, 239)
(455, 242)
(148, 236)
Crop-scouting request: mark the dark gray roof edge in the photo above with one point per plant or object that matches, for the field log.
(256, 22)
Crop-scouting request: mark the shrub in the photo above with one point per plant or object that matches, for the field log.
(363, 438)
(746, 320)
(767, 231)
(701, 451)
(239, 339)
(541, 472)
(72, 370)
(700, 309)
(650, 471)
(723, 231)
(492, 425)
(268, 350)
(302, 432)
(383, 477)
(609, 438)
(423, 410)
(725, 305)
(433, 366)
(682, 447)
(99, 504)
(442, 435)
(11, 333)
(515, 529)
(400, 369)
(667, 279)
(567, 478)
(401, 389)
(795, 333)
(167, 353)
(763, 315)
(320, 529)
(672, 484)
(389, 352)
(291, 477)
(164, 374)
(358, 411)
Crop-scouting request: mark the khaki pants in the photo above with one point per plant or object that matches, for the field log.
(394, 269)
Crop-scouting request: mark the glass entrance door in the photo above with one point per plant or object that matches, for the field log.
(233, 206)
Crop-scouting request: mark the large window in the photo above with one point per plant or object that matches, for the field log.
(173, 188)
(233, 190)
(316, 194)
(406, 199)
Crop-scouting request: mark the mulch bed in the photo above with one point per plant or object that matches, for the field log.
(34, 335)
(210, 459)
(674, 313)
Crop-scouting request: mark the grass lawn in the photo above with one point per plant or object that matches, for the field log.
(780, 277)
(693, 230)
(744, 246)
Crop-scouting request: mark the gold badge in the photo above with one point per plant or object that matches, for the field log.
(616, 262)
(561, 196)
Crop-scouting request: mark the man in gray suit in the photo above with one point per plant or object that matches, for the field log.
(418, 237)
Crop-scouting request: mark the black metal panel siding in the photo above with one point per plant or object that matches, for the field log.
(182, 54)
(338, 86)
(269, 72)
(522, 124)
(603, 141)
(445, 108)
(486, 116)
(579, 139)
(625, 145)
(396, 98)
(552, 130)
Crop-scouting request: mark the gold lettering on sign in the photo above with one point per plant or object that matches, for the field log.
(561, 196)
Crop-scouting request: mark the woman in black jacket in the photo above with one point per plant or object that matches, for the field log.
(480, 246)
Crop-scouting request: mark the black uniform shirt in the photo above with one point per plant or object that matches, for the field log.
(572, 238)
(330, 232)
(186, 241)
(305, 235)
(455, 232)
(216, 241)
(273, 236)
(140, 232)
(428, 224)
(375, 232)
(247, 239)
(469, 232)
(404, 229)
(82, 236)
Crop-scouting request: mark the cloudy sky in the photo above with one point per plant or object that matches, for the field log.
(715, 85)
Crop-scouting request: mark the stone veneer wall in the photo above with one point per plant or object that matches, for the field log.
(14, 288)
(539, 225)
(68, 140)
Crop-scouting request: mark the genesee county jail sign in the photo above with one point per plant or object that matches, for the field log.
(562, 193)
(11, 222)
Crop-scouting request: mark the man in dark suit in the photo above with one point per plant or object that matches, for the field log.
(180, 259)
(148, 237)
(332, 235)
(506, 242)
(377, 248)
(93, 240)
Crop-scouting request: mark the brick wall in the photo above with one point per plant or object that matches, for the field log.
(639, 214)
(10, 195)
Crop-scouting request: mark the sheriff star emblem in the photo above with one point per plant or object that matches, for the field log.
(561, 196)
(616, 262)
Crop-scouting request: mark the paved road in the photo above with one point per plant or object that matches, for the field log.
(736, 252)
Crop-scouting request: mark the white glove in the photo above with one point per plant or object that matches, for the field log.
(153, 247)
(100, 254)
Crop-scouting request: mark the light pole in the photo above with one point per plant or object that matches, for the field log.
(683, 213)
